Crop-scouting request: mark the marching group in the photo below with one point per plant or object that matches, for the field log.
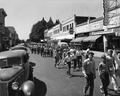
(43, 50)
(108, 68)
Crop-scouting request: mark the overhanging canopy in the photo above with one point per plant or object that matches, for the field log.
(91, 38)
(79, 39)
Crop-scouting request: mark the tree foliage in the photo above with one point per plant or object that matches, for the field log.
(37, 32)
(57, 22)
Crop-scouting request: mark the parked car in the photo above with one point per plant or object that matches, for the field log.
(16, 77)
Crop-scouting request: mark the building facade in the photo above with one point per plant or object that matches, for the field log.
(13, 36)
(85, 33)
(99, 37)
(66, 30)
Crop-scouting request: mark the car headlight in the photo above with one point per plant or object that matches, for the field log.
(15, 85)
(28, 88)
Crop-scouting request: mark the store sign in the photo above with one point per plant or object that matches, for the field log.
(82, 29)
(96, 25)
(102, 32)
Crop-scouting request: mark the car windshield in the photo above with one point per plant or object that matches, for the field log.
(14, 61)
(3, 62)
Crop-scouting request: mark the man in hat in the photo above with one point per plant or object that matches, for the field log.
(89, 71)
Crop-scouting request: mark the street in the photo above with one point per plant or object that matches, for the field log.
(69, 31)
(51, 81)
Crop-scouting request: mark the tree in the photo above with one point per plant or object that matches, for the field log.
(37, 32)
(44, 23)
(57, 22)
(50, 23)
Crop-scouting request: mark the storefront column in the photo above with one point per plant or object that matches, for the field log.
(105, 43)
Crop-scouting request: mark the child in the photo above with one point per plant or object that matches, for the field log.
(104, 75)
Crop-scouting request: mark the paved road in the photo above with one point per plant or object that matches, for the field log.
(51, 81)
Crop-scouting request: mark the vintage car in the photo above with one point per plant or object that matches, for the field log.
(16, 77)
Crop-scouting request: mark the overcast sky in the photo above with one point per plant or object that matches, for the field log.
(22, 14)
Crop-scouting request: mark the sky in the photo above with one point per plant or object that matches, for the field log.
(22, 14)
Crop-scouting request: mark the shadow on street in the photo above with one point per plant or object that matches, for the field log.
(40, 87)
(32, 64)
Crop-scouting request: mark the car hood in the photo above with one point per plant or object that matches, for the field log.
(7, 73)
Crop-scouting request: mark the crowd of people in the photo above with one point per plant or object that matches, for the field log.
(43, 50)
(76, 58)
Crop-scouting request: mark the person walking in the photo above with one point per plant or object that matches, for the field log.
(89, 71)
(110, 60)
(56, 58)
(117, 62)
(104, 75)
(74, 59)
(79, 58)
(68, 59)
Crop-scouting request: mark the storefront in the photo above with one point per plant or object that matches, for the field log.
(94, 42)
(114, 38)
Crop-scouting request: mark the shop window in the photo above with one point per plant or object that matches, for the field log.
(67, 27)
(72, 25)
(63, 29)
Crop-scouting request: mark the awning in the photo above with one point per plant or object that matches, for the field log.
(91, 38)
(79, 39)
